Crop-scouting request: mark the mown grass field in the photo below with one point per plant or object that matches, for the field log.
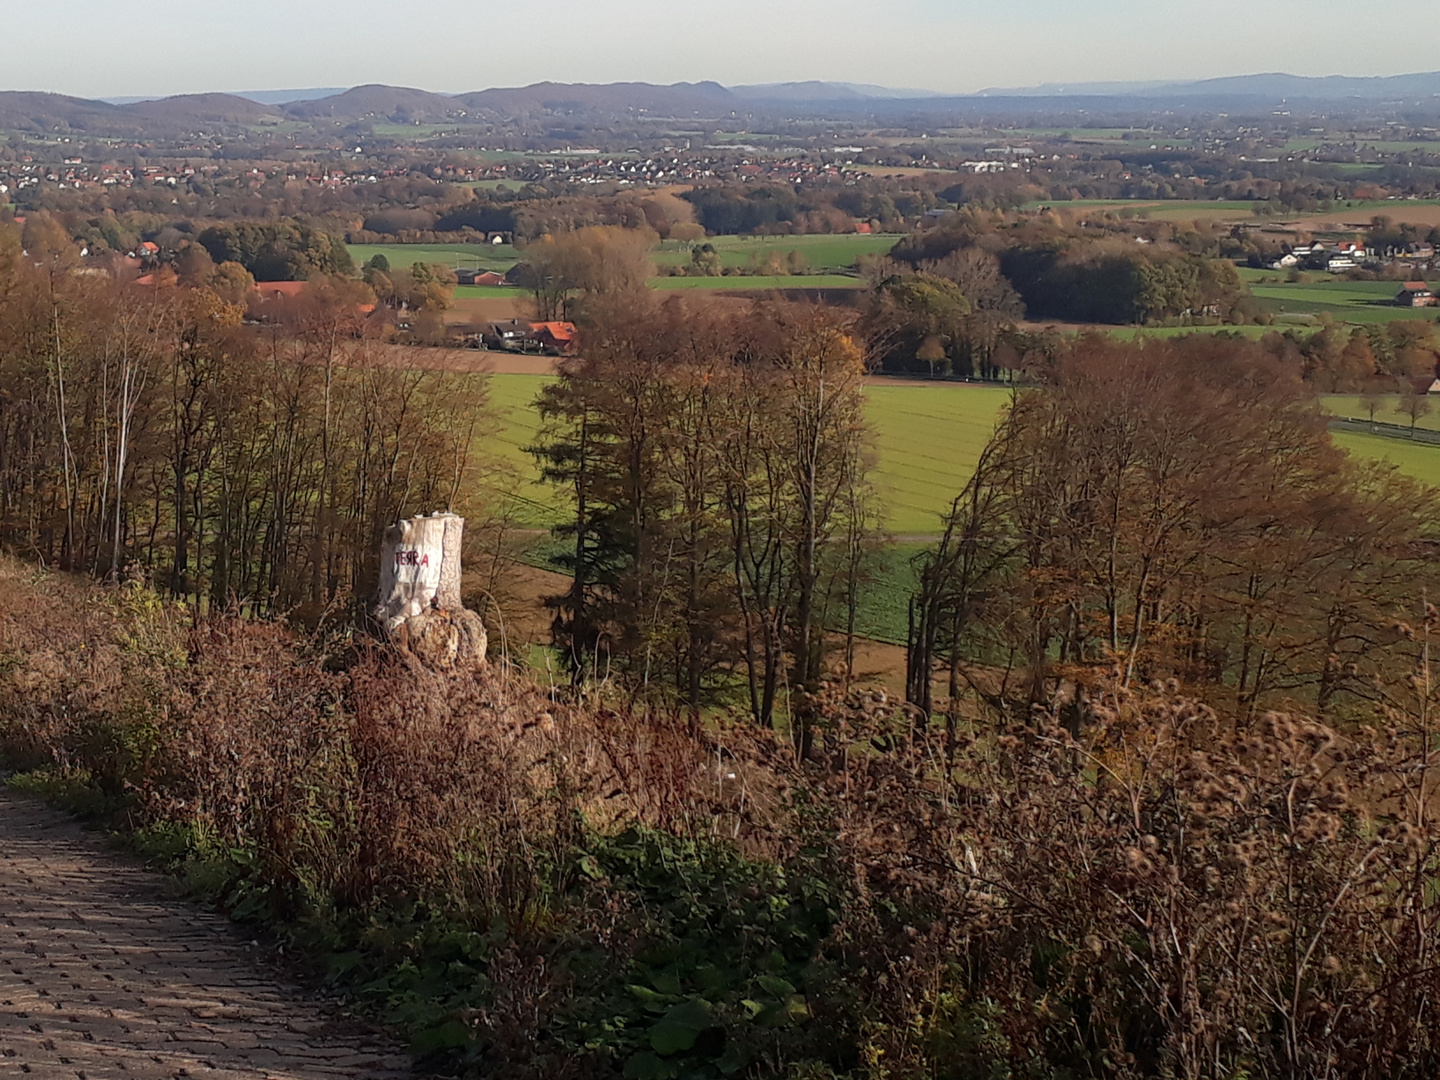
(758, 282)
(928, 436)
(1130, 333)
(489, 292)
(1420, 460)
(1355, 407)
(1357, 302)
(484, 256)
(513, 399)
(822, 252)
(1158, 209)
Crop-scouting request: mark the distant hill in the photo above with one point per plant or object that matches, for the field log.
(814, 90)
(681, 98)
(23, 110)
(374, 100)
(1272, 85)
(285, 97)
(188, 113)
(206, 109)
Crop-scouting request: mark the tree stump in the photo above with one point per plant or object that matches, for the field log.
(419, 602)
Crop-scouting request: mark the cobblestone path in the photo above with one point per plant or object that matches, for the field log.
(100, 977)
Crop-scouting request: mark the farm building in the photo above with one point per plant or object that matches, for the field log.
(557, 338)
(1426, 385)
(513, 335)
(1415, 294)
(478, 277)
(280, 290)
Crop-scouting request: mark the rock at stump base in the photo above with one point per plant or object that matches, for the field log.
(419, 603)
(444, 640)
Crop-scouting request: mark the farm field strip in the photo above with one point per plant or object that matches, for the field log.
(512, 397)
(928, 437)
(1354, 406)
(754, 283)
(484, 256)
(489, 292)
(1363, 302)
(822, 251)
(1420, 460)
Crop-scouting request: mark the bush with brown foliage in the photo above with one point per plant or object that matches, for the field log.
(583, 890)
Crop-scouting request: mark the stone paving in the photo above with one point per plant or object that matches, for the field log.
(100, 976)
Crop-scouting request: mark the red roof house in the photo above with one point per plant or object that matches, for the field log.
(556, 337)
(1415, 294)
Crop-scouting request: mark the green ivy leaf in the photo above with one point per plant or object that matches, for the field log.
(653, 1001)
(711, 979)
(680, 1027)
(450, 1035)
(733, 1060)
(775, 986)
(646, 1066)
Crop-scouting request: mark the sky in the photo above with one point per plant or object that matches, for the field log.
(100, 48)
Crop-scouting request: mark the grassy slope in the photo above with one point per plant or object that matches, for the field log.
(821, 251)
(759, 282)
(513, 399)
(485, 256)
(1419, 460)
(1346, 301)
(929, 437)
(1352, 405)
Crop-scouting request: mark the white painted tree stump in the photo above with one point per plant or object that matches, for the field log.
(419, 602)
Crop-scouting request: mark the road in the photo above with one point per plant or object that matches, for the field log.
(102, 976)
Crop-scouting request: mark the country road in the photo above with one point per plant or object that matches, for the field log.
(101, 976)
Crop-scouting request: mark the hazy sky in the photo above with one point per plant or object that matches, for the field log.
(107, 48)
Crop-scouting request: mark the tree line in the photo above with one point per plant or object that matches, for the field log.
(149, 425)
(715, 459)
(1171, 510)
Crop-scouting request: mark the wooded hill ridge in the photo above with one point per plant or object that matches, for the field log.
(700, 99)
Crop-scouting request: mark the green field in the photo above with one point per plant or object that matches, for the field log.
(822, 251)
(825, 255)
(1165, 210)
(484, 256)
(1420, 460)
(756, 282)
(1354, 407)
(929, 437)
(513, 399)
(1130, 333)
(489, 292)
(1379, 146)
(1357, 302)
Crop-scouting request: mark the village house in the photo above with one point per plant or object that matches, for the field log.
(479, 277)
(1415, 294)
(556, 338)
(512, 335)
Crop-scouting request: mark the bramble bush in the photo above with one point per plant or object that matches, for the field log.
(526, 887)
